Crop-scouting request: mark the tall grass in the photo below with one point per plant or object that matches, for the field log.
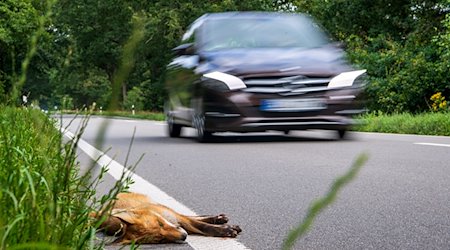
(44, 201)
(38, 180)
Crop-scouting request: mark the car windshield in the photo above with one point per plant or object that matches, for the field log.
(279, 31)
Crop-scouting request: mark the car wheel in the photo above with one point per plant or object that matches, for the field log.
(341, 133)
(174, 129)
(199, 120)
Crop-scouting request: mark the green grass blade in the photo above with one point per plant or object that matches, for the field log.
(320, 204)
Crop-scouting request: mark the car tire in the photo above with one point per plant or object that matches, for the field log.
(341, 133)
(173, 128)
(199, 121)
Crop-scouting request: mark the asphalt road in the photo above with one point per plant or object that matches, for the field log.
(266, 182)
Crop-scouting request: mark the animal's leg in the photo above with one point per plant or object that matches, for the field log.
(111, 225)
(218, 219)
(193, 226)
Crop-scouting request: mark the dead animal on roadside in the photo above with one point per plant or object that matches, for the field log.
(136, 218)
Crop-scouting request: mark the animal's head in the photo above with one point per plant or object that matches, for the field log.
(144, 226)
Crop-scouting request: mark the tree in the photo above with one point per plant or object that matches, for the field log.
(91, 39)
(98, 31)
(396, 19)
(18, 19)
(167, 22)
(393, 40)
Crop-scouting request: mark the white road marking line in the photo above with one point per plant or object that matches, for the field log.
(140, 185)
(432, 144)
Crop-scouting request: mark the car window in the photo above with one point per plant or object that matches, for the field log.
(189, 36)
(262, 32)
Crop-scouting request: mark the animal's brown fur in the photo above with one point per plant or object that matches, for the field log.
(136, 218)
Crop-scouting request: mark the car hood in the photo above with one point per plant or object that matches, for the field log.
(324, 61)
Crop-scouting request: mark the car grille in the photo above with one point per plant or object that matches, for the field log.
(293, 85)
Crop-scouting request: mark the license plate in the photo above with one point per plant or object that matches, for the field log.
(293, 105)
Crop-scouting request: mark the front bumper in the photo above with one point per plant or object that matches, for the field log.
(259, 124)
(225, 114)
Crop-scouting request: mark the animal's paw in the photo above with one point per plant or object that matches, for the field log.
(236, 228)
(220, 219)
(232, 231)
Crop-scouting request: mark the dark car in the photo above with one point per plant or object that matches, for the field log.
(259, 71)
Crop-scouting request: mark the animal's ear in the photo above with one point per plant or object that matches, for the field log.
(124, 215)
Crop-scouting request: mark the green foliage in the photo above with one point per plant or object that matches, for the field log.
(18, 19)
(443, 39)
(400, 43)
(135, 99)
(94, 88)
(130, 50)
(145, 115)
(67, 103)
(402, 76)
(421, 124)
(38, 196)
(404, 45)
(27, 51)
(44, 197)
(3, 96)
(320, 204)
(98, 28)
(395, 19)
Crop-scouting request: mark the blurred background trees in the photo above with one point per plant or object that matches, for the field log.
(401, 43)
(404, 45)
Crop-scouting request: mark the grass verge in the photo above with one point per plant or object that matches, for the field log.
(420, 124)
(144, 115)
(44, 201)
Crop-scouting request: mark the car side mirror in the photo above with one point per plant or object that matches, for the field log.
(340, 45)
(184, 49)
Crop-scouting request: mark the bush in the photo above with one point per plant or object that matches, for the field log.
(404, 45)
(402, 76)
(135, 97)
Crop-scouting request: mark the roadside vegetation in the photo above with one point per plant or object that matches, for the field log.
(44, 197)
(406, 123)
(72, 54)
(428, 123)
(404, 45)
(145, 115)
(434, 122)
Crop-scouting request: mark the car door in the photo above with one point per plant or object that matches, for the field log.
(179, 82)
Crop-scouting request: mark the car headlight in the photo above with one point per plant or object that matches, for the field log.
(222, 81)
(348, 79)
